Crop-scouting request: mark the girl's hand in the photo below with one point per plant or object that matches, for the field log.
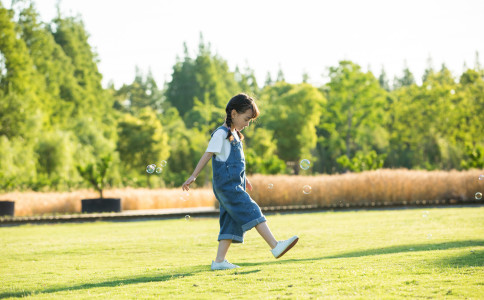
(249, 186)
(186, 185)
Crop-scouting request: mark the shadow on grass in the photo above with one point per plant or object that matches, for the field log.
(471, 259)
(180, 273)
(475, 258)
(184, 272)
(387, 250)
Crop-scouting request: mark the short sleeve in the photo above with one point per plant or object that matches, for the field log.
(216, 142)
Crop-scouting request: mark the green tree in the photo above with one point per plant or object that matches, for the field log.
(54, 67)
(20, 86)
(292, 112)
(141, 93)
(142, 141)
(205, 80)
(261, 152)
(383, 80)
(355, 116)
(407, 79)
(71, 35)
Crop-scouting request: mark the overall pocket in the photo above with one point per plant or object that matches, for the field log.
(235, 171)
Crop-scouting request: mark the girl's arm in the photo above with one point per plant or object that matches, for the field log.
(203, 161)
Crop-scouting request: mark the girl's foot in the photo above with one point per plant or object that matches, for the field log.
(284, 246)
(225, 265)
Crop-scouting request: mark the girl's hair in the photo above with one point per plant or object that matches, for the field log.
(241, 103)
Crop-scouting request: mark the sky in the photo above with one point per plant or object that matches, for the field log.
(266, 35)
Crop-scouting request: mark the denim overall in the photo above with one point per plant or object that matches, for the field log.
(238, 212)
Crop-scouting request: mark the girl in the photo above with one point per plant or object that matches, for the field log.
(238, 212)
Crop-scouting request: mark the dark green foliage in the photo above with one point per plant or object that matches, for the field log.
(362, 162)
(474, 158)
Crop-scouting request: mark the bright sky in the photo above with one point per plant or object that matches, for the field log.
(297, 36)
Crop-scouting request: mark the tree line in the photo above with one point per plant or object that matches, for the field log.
(55, 115)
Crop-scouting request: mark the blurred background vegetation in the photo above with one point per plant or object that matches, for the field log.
(55, 114)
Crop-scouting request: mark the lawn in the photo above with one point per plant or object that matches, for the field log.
(409, 253)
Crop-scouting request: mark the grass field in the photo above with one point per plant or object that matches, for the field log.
(384, 254)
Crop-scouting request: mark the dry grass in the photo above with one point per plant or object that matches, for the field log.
(372, 188)
(381, 187)
(37, 203)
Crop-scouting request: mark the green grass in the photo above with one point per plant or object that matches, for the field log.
(352, 254)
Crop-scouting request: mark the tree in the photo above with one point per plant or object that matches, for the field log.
(383, 80)
(292, 113)
(71, 35)
(407, 78)
(141, 93)
(20, 86)
(268, 80)
(180, 90)
(207, 81)
(95, 174)
(142, 141)
(261, 152)
(355, 114)
(280, 75)
(53, 66)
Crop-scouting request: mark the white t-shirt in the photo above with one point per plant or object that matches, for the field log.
(220, 145)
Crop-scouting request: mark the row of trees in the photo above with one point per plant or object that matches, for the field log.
(55, 115)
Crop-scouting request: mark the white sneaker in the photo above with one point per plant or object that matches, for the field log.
(225, 265)
(284, 246)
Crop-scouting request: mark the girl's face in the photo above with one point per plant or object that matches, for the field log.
(241, 120)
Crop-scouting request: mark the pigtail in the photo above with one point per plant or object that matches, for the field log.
(228, 120)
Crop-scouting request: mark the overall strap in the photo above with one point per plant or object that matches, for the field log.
(223, 127)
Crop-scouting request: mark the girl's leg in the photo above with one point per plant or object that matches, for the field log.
(223, 247)
(266, 233)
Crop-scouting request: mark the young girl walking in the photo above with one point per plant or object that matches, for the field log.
(238, 212)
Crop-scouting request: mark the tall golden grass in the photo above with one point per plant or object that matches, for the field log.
(37, 203)
(371, 188)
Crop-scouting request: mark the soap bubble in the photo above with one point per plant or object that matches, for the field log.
(429, 236)
(163, 163)
(305, 164)
(307, 189)
(158, 170)
(478, 196)
(270, 186)
(187, 217)
(150, 168)
(481, 177)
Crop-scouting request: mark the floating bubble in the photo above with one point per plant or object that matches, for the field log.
(305, 164)
(150, 168)
(452, 92)
(158, 170)
(478, 196)
(182, 198)
(163, 163)
(481, 177)
(186, 194)
(306, 189)
(429, 236)
(270, 186)
(424, 215)
(187, 217)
